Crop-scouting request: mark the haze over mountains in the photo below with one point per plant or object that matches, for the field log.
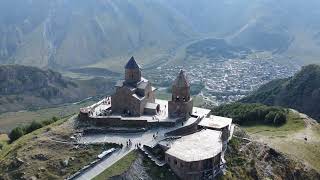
(72, 33)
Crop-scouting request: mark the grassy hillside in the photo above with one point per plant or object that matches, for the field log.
(43, 154)
(214, 49)
(299, 92)
(298, 136)
(256, 160)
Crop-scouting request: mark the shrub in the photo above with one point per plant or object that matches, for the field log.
(47, 122)
(246, 114)
(16, 133)
(33, 126)
(280, 118)
(270, 117)
(54, 118)
(50, 121)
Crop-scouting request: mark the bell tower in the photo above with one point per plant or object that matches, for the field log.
(181, 103)
(132, 71)
(181, 88)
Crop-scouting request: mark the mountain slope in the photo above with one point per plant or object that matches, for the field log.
(301, 92)
(67, 33)
(23, 87)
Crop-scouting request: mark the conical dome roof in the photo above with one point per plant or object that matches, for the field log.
(132, 64)
(181, 80)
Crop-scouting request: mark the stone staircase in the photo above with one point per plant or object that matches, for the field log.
(151, 156)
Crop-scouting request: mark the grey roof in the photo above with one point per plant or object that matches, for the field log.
(142, 85)
(181, 80)
(216, 122)
(198, 146)
(132, 64)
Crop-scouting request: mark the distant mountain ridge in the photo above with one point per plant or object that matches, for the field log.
(301, 92)
(71, 33)
(64, 33)
(23, 87)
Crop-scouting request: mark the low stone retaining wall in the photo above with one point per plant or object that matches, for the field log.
(185, 130)
(111, 130)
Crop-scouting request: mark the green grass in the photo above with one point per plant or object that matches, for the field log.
(4, 138)
(283, 139)
(293, 124)
(3, 141)
(309, 152)
(119, 167)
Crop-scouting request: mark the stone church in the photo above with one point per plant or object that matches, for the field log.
(135, 96)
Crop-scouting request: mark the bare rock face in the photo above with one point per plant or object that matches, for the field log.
(65, 163)
(16, 163)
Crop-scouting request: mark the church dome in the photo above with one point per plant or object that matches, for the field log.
(132, 64)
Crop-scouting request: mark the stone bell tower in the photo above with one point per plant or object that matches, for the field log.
(132, 71)
(181, 103)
